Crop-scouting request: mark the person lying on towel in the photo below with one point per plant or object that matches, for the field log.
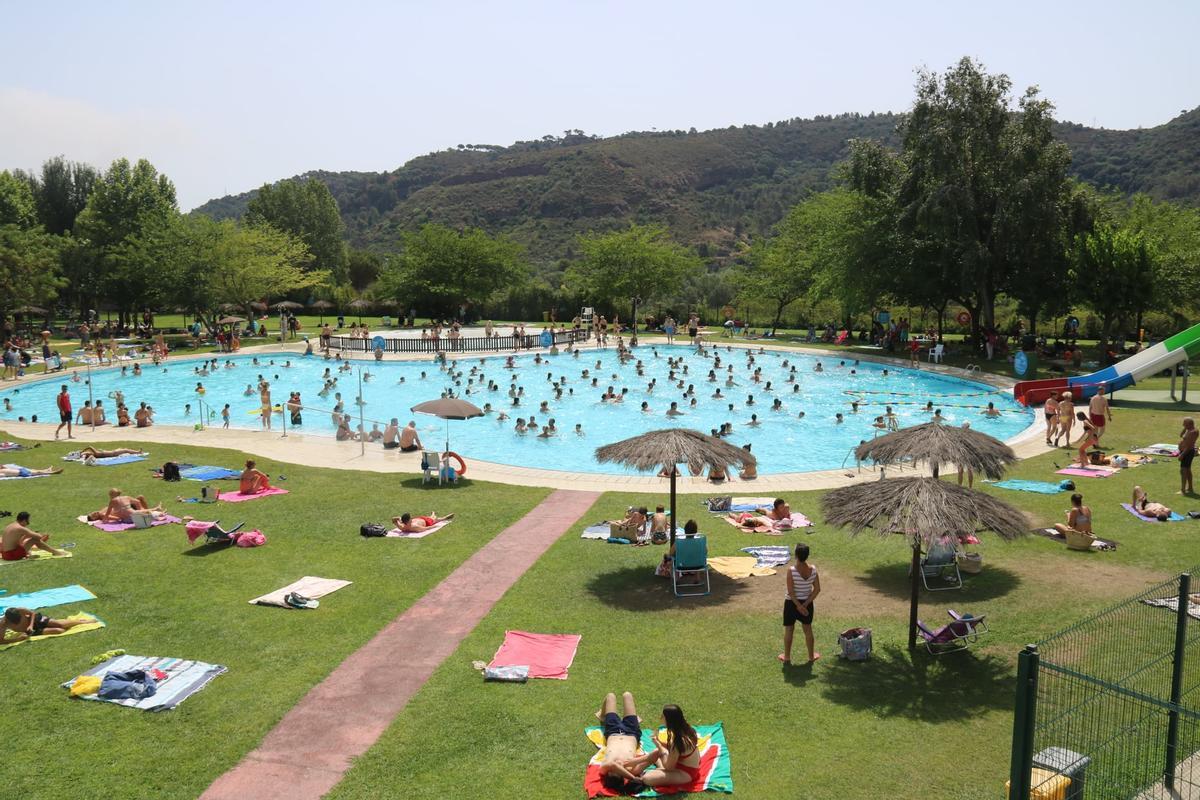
(407, 523)
(1143, 505)
(19, 539)
(624, 770)
(252, 481)
(24, 623)
(26, 472)
(120, 508)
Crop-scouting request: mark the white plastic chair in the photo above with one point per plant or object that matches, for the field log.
(936, 353)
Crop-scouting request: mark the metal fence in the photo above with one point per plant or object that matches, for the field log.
(463, 344)
(1112, 703)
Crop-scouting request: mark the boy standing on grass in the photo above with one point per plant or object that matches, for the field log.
(803, 586)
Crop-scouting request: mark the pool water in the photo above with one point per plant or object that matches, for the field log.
(782, 441)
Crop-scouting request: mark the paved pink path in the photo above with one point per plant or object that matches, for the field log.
(306, 754)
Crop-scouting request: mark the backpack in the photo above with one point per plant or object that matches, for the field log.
(720, 503)
(372, 529)
(170, 471)
(252, 538)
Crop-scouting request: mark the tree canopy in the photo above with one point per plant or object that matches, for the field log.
(306, 209)
(638, 261)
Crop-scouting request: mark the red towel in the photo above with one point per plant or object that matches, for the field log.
(548, 655)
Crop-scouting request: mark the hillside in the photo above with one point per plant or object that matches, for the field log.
(713, 188)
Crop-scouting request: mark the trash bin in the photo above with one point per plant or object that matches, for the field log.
(1065, 762)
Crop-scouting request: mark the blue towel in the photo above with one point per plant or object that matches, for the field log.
(1021, 485)
(206, 473)
(47, 597)
(128, 458)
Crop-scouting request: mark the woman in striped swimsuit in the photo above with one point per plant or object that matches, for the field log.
(803, 586)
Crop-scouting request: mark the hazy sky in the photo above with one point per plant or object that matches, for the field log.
(223, 96)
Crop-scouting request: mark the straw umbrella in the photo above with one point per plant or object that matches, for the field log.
(937, 443)
(359, 304)
(669, 447)
(448, 408)
(323, 306)
(290, 305)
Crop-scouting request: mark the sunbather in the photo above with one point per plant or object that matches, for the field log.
(679, 758)
(1147, 508)
(120, 451)
(252, 481)
(18, 540)
(410, 524)
(1079, 517)
(120, 508)
(25, 623)
(622, 768)
(26, 472)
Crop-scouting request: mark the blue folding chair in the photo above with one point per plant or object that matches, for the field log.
(690, 563)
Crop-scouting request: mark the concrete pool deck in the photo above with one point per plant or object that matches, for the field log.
(325, 451)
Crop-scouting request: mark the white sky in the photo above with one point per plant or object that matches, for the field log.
(223, 96)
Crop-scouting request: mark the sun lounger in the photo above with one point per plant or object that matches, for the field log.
(959, 634)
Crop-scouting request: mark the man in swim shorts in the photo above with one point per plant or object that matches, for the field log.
(26, 623)
(1187, 454)
(64, 412)
(407, 523)
(622, 767)
(409, 440)
(1099, 411)
(18, 540)
(15, 471)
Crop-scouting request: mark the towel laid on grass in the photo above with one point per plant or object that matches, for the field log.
(1174, 517)
(128, 458)
(1088, 472)
(597, 531)
(113, 527)
(308, 586)
(206, 473)
(45, 598)
(5, 446)
(797, 520)
(770, 555)
(548, 655)
(396, 533)
(1097, 544)
(91, 623)
(738, 567)
(238, 497)
(715, 772)
(1172, 603)
(1158, 450)
(38, 555)
(184, 679)
(1037, 487)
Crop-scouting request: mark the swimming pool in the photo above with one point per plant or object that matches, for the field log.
(782, 440)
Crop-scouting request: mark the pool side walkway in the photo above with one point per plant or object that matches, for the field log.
(312, 747)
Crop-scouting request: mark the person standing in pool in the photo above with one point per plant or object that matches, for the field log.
(803, 586)
(264, 394)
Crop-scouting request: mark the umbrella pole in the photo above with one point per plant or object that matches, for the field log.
(674, 470)
(916, 586)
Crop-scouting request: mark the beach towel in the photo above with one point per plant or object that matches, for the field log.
(548, 655)
(6, 446)
(738, 567)
(715, 773)
(238, 497)
(1037, 487)
(1172, 603)
(1174, 517)
(597, 531)
(183, 679)
(20, 477)
(113, 527)
(38, 555)
(45, 598)
(797, 520)
(1097, 544)
(770, 555)
(396, 533)
(92, 623)
(128, 458)
(1088, 472)
(1158, 450)
(206, 473)
(308, 586)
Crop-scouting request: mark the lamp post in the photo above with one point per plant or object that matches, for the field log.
(634, 320)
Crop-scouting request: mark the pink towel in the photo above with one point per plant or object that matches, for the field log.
(1089, 472)
(548, 655)
(238, 497)
(113, 527)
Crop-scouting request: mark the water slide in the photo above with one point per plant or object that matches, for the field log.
(1124, 373)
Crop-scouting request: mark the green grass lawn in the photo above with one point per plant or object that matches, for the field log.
(161, 596)
(895, 726)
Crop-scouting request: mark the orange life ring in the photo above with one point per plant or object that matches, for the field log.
(462, 465)
(963, 318)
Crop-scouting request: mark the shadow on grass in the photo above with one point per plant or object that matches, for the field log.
(945, 688)
(208, 549)
(892, 580)
(637, 589)
(418, 482)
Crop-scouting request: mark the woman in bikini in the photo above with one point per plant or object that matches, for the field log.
(1066, 418)
(1090, 438)
(252, 481)
(679, 757)
(407, 523)
(1079, 518)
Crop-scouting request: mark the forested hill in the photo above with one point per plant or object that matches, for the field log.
(713, 189)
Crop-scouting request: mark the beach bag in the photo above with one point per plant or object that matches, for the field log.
(720, 503)
(372, 529)
(142, 519)
(509, 674)
(855, 644)
(170, 471)
(252, 538)
(1067, 485)
(970, 563)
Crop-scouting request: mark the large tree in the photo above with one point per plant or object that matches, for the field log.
(1172, 235)
(28, 267)
(61, 193)
(16, 202)
(306, 209)
(1114, 272)
(441, 269)
(638, 261)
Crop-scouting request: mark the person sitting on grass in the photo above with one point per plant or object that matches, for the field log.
(18, 540)
(407, 523)
(120, 508)
(678, 758)
(14, 471)
(252, 481)
(26, 623)
(660, 526)
(1144, 506)
(1079, 517)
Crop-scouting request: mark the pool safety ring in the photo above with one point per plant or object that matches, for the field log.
(963, 318)
(462, 465)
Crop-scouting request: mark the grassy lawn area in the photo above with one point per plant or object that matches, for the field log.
(847, 730)
(162, 597)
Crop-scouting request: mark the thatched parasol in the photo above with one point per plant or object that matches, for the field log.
(230, 320)
(322, 306)
(257, 306)
(448, 408)
(669, 447)
(359, 304)
(291, 305)
(919, 508)
(30, 310)
(937, 443)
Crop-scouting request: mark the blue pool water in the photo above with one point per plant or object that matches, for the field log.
(782, 441)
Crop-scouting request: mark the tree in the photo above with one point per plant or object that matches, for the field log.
(307, 210)
(1172, 234)
(441, 269)
(16, 202)
(61, 193)
(1113, 271)
(28, 267)
(638, 261)
(363, 268)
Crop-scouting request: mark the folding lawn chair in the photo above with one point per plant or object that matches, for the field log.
(691, 561)
(214, 533)
(959, 634)
(941, 562)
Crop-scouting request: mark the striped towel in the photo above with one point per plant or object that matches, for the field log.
(184, 679)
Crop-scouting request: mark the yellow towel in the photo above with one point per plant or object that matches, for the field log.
(85, 684)
(738, 566)
(91, 624)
